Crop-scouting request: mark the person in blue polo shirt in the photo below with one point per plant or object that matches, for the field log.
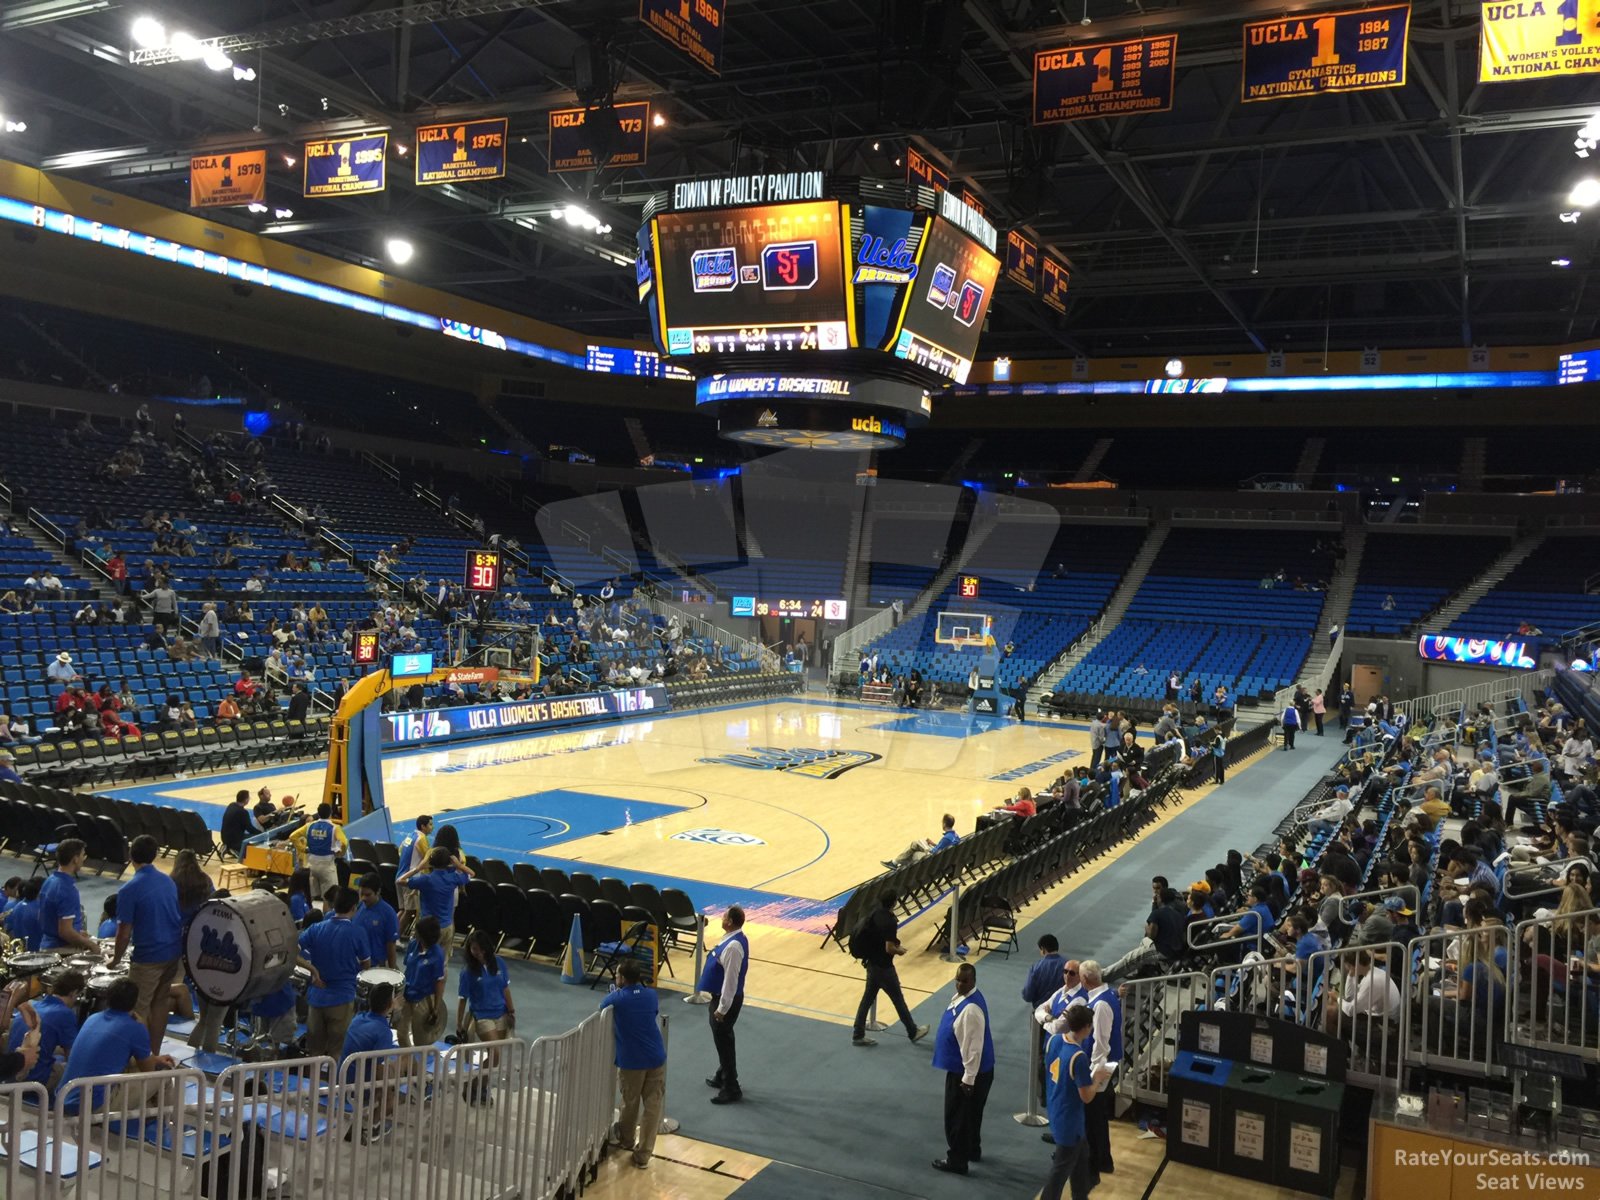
(60, 909)
(108, 1041)
(437, 885)
(641, 1058)
(370, 1030)
(1071, 1088)
(485, 992)
(148, 916)
(377, 919)
(335, 952)
(422, 1012)
(56, 1017)
(723, 978)
(964, 1050)
(22, 919)
(108, 918)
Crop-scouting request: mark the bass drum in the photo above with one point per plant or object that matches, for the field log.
(241, 947)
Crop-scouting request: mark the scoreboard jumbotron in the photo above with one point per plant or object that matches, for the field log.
(816, 311)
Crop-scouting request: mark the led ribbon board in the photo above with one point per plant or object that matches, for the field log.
(1537, 39)
(461, 151)
(1475, 652)
(1104, 79)
(352, 167)
(483, 720)
(1318, 53)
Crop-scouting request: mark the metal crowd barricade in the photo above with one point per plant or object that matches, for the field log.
(1150, 1012)
(282, 1114)
(1256, 985)
(380, 1126)
(572, 1083)
(1371, 1028)
(1555, 999)
(1455, 999)
(24, 1146)
(1532, 881)
(483, 1103)
(130, 1137)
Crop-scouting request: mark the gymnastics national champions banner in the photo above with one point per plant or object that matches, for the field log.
(1022, 260)
(575, 136)
(1318, 53)
(1054, 279)
(461, 151)
(1104, 79)
(921, 169)
(349, 167)
(693, 26)
(1536, 39)
(226, 180)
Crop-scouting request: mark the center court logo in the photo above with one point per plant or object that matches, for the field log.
(717, 837)
(813, 764)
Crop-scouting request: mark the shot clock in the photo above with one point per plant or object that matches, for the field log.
(365, 648)
(483, 571)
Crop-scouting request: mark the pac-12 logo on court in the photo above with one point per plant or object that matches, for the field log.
(813, 764)
(718, 837)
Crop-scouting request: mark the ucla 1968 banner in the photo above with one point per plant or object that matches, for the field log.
(221, 180)
(1316, 53)
(1104, 79)
(1022, 260)
(461, 151)
(693, 26)
(351, 167)
(1535, 39)
(1054, 279)
(576, 136)
(921, 169)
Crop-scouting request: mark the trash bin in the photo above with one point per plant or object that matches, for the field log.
(1306, 1144)
(1194, 1108)
(1249, 1123)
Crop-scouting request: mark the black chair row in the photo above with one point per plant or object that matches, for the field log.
(731, 689)
(107, 825)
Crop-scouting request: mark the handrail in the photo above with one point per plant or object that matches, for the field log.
(848, 643)
(577, 534)
(1464, 699)
(1322, 682)
(48, 527)
(607, 554)
(383, 466)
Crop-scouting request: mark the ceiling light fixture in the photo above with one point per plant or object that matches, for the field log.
(289, 160)
(1585, 193)
(187, 47)
(658, 119)
(1560, 262)
(399, 250)
(283, 214)
(149, 33)
(257, 208)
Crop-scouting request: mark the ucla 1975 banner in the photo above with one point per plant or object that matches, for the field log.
(1537, 39)
(1104, 79)
(461, 150)
(1315, 53)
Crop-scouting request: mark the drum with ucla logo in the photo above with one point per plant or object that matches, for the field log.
(241, 947)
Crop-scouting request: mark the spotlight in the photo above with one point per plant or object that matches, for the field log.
(658, 120)
(187, 47)
(217, 60)
(1174, 368)
(1560, 262)
(400, 149)
(324, 100)
(1584, 193)
(874, 145)
(399, 250)
(283, 110)
(244, 74)
(283, 214)
(1570, 218)
(289, 160)
(256, 208)
(148, 33)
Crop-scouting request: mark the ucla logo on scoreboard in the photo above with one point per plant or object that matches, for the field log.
(714, 270)
(813, 764)
(717, 837)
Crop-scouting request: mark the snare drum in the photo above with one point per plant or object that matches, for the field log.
(372, 977)
(97, 989)
(32, 969)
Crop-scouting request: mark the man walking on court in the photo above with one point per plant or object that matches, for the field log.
(723, 977)
(964, 1050)
(876, 942)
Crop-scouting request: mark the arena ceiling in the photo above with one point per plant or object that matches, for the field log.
(1423, 215)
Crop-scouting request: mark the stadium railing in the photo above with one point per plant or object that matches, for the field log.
(1461, 1033)
(466, 1122)
(1151, 1009)
(1552, 1005)
(1466, 699)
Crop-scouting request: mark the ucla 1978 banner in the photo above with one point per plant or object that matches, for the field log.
(1104, 79)
(1536, 39)
(348, 167)
(1315, 53)
(1053, 281)
(461, 151)
(221, 180)
(574, 137)
(693, 26)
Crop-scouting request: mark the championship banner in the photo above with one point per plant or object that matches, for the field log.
(973, 201)
(224, 180)
(693, 26)
(1054, 278)
(1104, 79)
(1022, 261)
(352, 167)
(1321, 53)
(574, 133)
(458, 153)
(1538, 39)
(920, 169)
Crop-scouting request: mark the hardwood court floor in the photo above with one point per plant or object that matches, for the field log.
(705, 800)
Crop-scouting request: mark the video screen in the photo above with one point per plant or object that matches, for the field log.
(764, 278)
(944, 315)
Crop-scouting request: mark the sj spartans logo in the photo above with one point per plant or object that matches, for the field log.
(813, 764)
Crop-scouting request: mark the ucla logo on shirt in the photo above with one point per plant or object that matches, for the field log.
(717, 837)
(813, 764)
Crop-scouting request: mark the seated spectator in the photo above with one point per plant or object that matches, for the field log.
(182, 649)
(920, 849)
(61, 670)
(1325, 820)
(1374, 999)
(1163, 945)
(113, 726)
